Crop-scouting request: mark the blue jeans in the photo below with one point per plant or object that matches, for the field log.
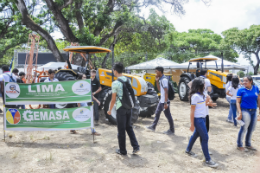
(200, 131)
(233, 107)
(230, 114)
(249, 117)
(167, 113)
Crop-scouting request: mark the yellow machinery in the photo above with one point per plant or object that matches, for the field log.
(145, 98)
(217, 78)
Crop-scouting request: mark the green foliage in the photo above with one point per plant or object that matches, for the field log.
(245, 42)
(241, 74)
(250, 73)
(196, 43)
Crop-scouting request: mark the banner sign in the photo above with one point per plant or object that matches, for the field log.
(48, 92)
(48, 119)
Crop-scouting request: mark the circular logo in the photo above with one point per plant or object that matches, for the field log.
(81, 114)
(12, 90)
(13, 116)
(81, 87)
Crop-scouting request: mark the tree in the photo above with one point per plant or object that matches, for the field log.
(241, 74)
(88, 22)
(196, 43)
(12, 33)
(250, 73)
(245, 42)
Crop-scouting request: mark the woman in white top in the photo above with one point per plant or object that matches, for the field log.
(198, 115)
(228, 84)
(232, 92)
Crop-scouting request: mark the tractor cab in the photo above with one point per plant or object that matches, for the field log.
(215, 75)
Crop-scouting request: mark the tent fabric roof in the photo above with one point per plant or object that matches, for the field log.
(152, 64)
(212, 65)
(55, 65)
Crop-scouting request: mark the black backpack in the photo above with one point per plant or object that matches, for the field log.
(170, 90)
(128, 98)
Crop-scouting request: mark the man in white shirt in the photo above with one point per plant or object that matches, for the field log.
(51, 76)
(51, 79)
(164, 104)
(7, 76)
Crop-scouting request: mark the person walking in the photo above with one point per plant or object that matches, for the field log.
(123, 115)
(198, 115)
(228, 97)
(164, 104)
(7, 76)
(247, 100)
(51, 79)
(232, 93)
(96, 88)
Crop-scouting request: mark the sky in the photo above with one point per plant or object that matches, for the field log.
(219, 16)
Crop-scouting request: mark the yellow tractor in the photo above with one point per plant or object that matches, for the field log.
(217, 79)
(145, 98)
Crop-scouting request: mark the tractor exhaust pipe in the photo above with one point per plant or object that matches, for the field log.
(222, 63)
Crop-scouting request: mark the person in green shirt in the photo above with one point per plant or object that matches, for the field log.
(123, 115)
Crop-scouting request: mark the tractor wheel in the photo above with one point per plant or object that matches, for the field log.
(65, 76)
(102, 95)
(184, 89)
(112, 117)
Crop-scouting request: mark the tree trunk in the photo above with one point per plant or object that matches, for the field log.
(62, 21)
(256, 67)
(34, 27)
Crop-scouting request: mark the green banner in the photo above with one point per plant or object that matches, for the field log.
(48, 92)
(48, 119)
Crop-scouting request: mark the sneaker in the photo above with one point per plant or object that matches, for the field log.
(118, 152)
(135, 151)
(229, 121)
(168, 132)
(150, 128)
(211, 164)
(190, 153)
(210, 153)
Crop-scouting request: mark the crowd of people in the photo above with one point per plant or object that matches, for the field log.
(242, 97)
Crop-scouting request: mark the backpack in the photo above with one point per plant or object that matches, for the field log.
(170, 89)
(128, 98)
(11, 79)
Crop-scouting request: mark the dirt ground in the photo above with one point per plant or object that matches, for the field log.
(62, 152)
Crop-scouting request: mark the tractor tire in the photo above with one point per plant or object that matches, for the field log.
(102, 95)
(65, 76)
(184, 89)
(149, 111)
(112, 118)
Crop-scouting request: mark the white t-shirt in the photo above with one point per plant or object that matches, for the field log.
(200, 103)
(6, 77)
(233, 91)
(163, 84)
(54, 80)
(227, 87)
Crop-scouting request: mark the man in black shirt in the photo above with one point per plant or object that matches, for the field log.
(96, 88)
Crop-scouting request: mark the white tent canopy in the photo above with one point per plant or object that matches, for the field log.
(152, 64)
(212, 65)
(55, 66)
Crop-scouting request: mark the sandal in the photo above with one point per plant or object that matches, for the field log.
(251, 148)
(73, 132)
